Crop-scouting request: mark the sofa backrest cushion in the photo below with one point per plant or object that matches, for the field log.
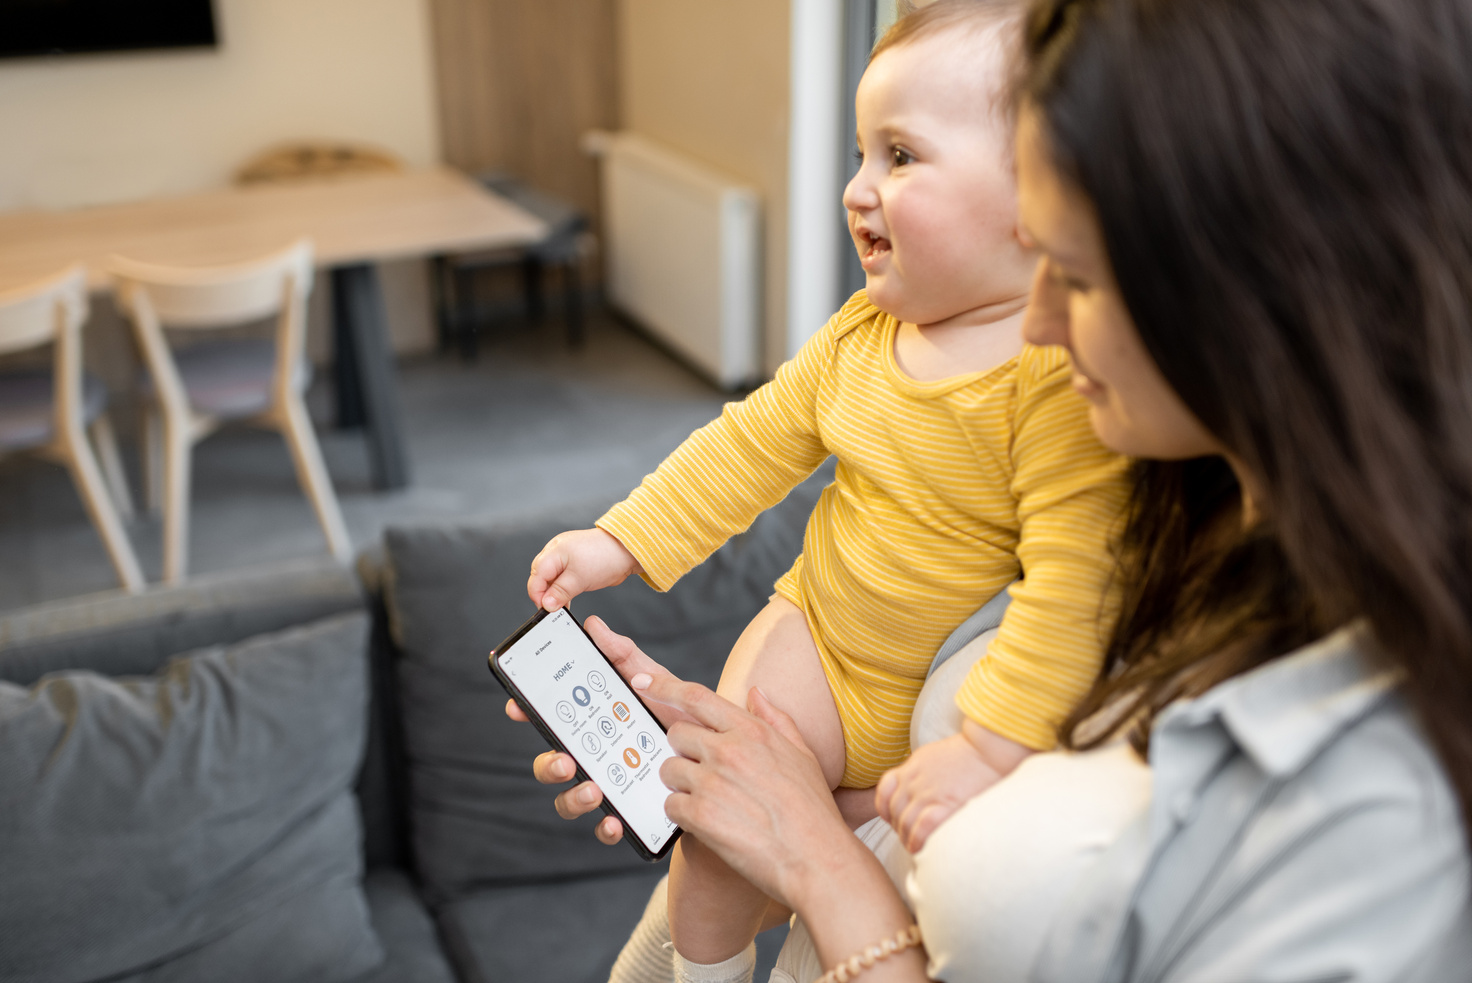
(120, 634)
(477, 817)
(194, 824)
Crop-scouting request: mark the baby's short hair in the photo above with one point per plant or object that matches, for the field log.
(944, 16)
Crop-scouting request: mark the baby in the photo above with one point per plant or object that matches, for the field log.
(964, 460)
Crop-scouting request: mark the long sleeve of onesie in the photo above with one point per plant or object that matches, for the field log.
(728, 472)
(1070, 492)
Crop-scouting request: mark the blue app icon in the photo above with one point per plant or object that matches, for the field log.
(581, 695)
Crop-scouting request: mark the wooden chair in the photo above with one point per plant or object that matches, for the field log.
(49, 413)
(195, 390)
(564, 248)
(316, 159)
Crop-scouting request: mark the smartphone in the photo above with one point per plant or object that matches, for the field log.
(583, 708)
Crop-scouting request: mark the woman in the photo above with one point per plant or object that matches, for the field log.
(1255, 218)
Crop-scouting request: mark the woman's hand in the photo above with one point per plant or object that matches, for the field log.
(745, 783)
(554, 767)
(749, 788)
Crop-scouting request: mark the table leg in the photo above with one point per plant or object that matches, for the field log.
(367, 393)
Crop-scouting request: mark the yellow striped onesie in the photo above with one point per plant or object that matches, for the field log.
(945, 492)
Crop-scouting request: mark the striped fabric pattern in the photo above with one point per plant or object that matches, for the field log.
(945, 492)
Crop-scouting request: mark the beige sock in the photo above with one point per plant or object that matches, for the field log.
(738, 969)
(648, 956)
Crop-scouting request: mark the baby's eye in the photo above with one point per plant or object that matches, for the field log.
(899, 156)
(858, 155)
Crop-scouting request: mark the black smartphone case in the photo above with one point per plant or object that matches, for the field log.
(551, 738)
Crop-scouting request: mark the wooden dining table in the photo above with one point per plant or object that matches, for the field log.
(354, 222)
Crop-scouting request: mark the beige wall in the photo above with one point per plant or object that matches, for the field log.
(711, 79)
(90, 129)
(94, 129)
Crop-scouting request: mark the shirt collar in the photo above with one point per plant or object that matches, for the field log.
(1282, 713)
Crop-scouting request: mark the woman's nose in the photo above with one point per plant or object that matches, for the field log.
(1046, 321)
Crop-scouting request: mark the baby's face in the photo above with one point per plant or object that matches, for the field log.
(933, 209)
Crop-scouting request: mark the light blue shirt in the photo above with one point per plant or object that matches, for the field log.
(1301, 830)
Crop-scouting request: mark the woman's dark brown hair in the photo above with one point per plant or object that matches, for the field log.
(1285, 192)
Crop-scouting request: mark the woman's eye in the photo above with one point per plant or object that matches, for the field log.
(1070, 283)
(900, 156)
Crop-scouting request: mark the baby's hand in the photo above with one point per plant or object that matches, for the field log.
(585, 559)
(940, 777)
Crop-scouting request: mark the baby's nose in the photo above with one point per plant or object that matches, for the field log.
(859, 194)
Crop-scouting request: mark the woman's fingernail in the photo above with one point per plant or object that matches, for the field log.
(562, 769)
(586, 796)
(641, 680)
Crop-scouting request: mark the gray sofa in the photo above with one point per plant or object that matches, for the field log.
(318, 688)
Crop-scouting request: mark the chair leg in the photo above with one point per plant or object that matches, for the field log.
(153, 459)
(106, 444)
(178, 451)
(88, 477)
(572, 289)
(296, 427)
(467, 300)
(531, 272)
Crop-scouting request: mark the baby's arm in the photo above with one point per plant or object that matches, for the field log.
(712, 487)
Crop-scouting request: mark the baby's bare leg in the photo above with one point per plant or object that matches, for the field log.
(714, 912)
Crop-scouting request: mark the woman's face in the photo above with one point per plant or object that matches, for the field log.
(1076, 304)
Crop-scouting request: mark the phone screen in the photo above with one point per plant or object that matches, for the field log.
(612, 736)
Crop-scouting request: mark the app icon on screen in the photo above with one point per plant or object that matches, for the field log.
(617, 775)
(565, 711)
(582, 696)
(595, 680)
(608, 727)
(646, 742)
(631, 757)
(621, 711)
(590, 742)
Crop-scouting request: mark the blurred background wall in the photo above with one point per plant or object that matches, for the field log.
(712, 80)
(117, 127)
(102, 128)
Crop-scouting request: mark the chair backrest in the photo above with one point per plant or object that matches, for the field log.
(36, 313)
(317, 160)
(217, 296)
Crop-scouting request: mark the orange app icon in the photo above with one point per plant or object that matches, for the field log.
(621, 711)
(631, 757)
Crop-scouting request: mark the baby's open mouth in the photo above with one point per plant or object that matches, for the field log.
(871, 244)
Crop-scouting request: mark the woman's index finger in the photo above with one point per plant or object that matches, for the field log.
(700, 703)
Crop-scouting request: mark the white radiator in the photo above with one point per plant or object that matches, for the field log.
(684, 254)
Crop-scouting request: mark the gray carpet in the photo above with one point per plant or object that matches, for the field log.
(529, 424)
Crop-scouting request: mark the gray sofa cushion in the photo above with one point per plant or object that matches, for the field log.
(568, 931)
(476, 814)
(119, 635)
(197, 824)
(411, 946)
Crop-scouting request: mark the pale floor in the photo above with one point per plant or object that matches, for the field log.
(527, 426)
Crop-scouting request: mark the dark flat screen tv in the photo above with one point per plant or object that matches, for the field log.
(64, 27)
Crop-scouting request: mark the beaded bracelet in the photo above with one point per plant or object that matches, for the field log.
(905, 938)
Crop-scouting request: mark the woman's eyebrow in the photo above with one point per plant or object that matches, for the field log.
(1061, 257)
